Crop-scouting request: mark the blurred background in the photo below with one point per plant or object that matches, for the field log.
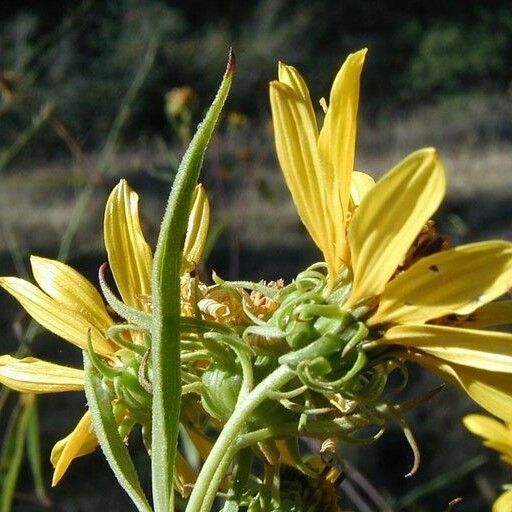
(95, 91)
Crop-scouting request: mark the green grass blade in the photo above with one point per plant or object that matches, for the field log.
(34, 453)
(105, 428)
(441, 482)
(16, 456)
(165, 349)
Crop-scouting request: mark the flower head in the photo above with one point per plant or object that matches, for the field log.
(367, 230)
(68, 305)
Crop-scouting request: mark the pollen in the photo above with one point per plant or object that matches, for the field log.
(428, 242)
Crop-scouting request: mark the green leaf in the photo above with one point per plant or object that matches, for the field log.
(165, 349)
(105, 428)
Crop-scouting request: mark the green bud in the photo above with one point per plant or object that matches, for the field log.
(222, 386)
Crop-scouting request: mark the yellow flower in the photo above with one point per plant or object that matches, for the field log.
(318, 166)
(497, 436)
(67, 304)
(370, 228)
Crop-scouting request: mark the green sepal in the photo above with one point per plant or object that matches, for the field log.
(115, 333)
(106, 430)
(139, 318)
(104, 369)
(292, 445)
(301, 335)
(165, 286)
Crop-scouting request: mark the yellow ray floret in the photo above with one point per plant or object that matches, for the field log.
(362, 183)
(390, 217)
(491, 390)
(503, 503)
(496, 434)
(31, 375)
(66, 322)
(129, 255)
(318, 167)
(80, 441)
(489, 315)
(439, 285)
(68, 287)
(485, 350)
(337, 139)
(197, 230)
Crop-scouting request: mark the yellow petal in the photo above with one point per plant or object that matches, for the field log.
(491, 390)
(197, 230)
(290, 76)
(504, 449)
(390, 217)
(55, 317)
(503, 503)
(494, 313)
(490, 429)
(362, 183)
(296, 145)
(202, 444)
(337, 139)
(185, 476)
(80, 441)
(31, 375)
(507, 459)
(129, 255)
(66, 286)
(455, 281)
(486, 350)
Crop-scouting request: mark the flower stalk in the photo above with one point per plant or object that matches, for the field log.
(212, 472)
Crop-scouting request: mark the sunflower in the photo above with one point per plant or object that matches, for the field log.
(497, 436)
(432, 310)
(68, 305)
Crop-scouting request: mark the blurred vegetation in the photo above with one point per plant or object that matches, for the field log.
(79, 56)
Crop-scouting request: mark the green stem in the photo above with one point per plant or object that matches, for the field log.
(317, 429)
(210, 477)
(221, 470)
(11, 477)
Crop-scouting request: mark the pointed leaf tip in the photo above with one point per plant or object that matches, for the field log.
(231, 65)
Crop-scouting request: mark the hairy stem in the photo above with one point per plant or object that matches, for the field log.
(213, 470)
